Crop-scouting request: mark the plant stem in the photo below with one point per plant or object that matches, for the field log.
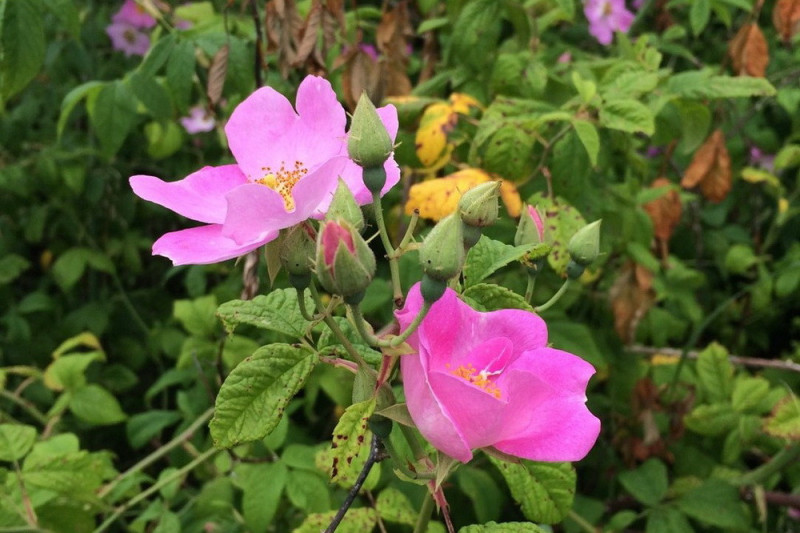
(336, 330)
(781, 459)
(581, 522)
(301, 302)
(372, 340)
(529, 288)
(387, 245)
(160, 452)
(409, 233)
(556, 297)
(155, 488)
(26, 406)
(424, 514)
(374, 448)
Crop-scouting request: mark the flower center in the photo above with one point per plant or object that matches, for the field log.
(130, 36)
(480, 379)
(607, 9)
(283, 181)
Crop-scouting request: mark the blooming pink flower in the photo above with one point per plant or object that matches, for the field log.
(605, 17)
(133, 14)
(287, 169)
(198, 120)
(128, 39)
(489, 379)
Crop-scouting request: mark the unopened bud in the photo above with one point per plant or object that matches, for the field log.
(478, 206)
(368, 142)
(344, 207)
(584, 246)
(531, 230)
(297, 250)
(442, 252)
(345, 264)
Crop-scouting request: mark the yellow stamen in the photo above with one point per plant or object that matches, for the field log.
(479, 379)
(283, 181)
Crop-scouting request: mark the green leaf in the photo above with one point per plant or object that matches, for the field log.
(568, 7)
(15, 441)
(394, 506)
(151, 94)
(357, 520)
(667, 520)
(277, 311)
(163, 138)
(699, 15)
(142, 427)
(784, 422)
(715, 373)
(253, 397)
(156, 56)
(788, 156)
(168, 523)
(704, 84)
(748, 393)
(508, 152)
(544, 491)
(627, 115)
(112, 115)
(488, 256)
(587, 89)
(712, 419)
(96, 405)
(490, 297)
(22, 43)
(480, 487)
(648, 483)
(67, 372)
(197, 316)
(262, 486)
(506, 527)
(85, 90)
(11, 266)
(308, 491)
(328, 340)
(630, 84)
(589, 137)
(180, 73)
(561, 220)
(695, 120)
(477, 27)
(715, 503)
(350, 438)
(69, 267)
(67, 12)
(74, 474)
(739, 259)
(577, 338)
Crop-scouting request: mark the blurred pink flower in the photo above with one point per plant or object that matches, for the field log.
(128, 39)
(605, 17)
(762, 160)
(198, 120)
(133, 14)
(287, 166)
(489, 379)
(566, 57)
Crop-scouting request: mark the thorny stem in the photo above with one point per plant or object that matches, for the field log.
(371, 339)
(163, 450)
(374, 449)
(424, 514)
(335, 329)
(166, 480)
(390, 251)
(556, 297)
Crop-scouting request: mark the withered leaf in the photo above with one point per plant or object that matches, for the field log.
(361, 73)
(665, 212)
(391, 37)
(631, 297)
(786, 17)
(710, 168)
(216, 75)
(748, 51)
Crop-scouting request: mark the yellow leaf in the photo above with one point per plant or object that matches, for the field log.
(431, 138)
(510, 197)
(461, 103)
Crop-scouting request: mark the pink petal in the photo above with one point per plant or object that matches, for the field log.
(388, 115)
(199, 196)
(318, 105)
(332, 234)
(202, 245)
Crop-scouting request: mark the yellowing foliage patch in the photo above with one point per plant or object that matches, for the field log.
(433, 149)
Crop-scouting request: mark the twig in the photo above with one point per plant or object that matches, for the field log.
(374, 448)
(735, 359)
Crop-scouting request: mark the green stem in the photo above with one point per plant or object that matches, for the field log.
(424, 514)
(301, 302)
(150, 459)
(361, 326)
(26, 406)
(335, 329)
(399, 464)
(529, 288)
(556, 297)
(409, 233)
(166, 480)
(582, 522)
(387, 245)
(781, 460)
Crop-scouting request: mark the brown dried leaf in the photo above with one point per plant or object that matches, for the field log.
(309, 34)
(391, 37)
(631, 298)
(711, 168)
(361, 73)
(786, 17)
(749, 52)
(665, 212)
(216, 75)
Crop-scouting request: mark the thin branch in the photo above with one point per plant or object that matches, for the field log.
(374, 449)
(735, 359)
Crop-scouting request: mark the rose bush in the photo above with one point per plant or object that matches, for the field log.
(489, 379)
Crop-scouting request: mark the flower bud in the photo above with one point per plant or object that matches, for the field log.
(442, 252)
(345, 264)
(531, 227)
(298, 249)
(344, 207)
(478, 206)
(368, 142)
(584, 246)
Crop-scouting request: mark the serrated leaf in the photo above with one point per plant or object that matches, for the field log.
(748, 393)
(276, 311)
(76, 474)
(784, 422)
(394, 506)
(715, 373)
(67, 13)
(350, 438)
(544, 491)
(561, 221)
(157, 56)
(23, 44)
(490, 297)
(15, 441)
(262, 486)
(589, 137)
(95, 405)
(712, 419)
(328, 340)
(11, 266)
(667, 520)
(715, 503)
(67, 372)
(477, 27)
(197, 316)
(357, 520)
(480, 487)
(699, 14)
(253, 397)
(648, 483)
(627, 115)
(180, 74)
(704, 84)
(506, 527)
(488, 256)
(112, 116)
(151, 94)
(85, 90)
(142, 427)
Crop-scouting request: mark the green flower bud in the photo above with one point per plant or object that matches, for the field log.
(298, 248)
(442, 252)
(531, 230)
(478, 206)
(345, 264)
(368, 142)
(344, 207)
(584, 246)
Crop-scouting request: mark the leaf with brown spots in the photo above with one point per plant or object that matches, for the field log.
(786, 17)
(710, 168)
(350, 437)
(748, 51)
(631, 297)
(665, 211)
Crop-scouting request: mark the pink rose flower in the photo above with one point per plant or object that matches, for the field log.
(128, 39)
(133, 14)
(489, 379)
(198, 120)
(287, 167)
(605, 17)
